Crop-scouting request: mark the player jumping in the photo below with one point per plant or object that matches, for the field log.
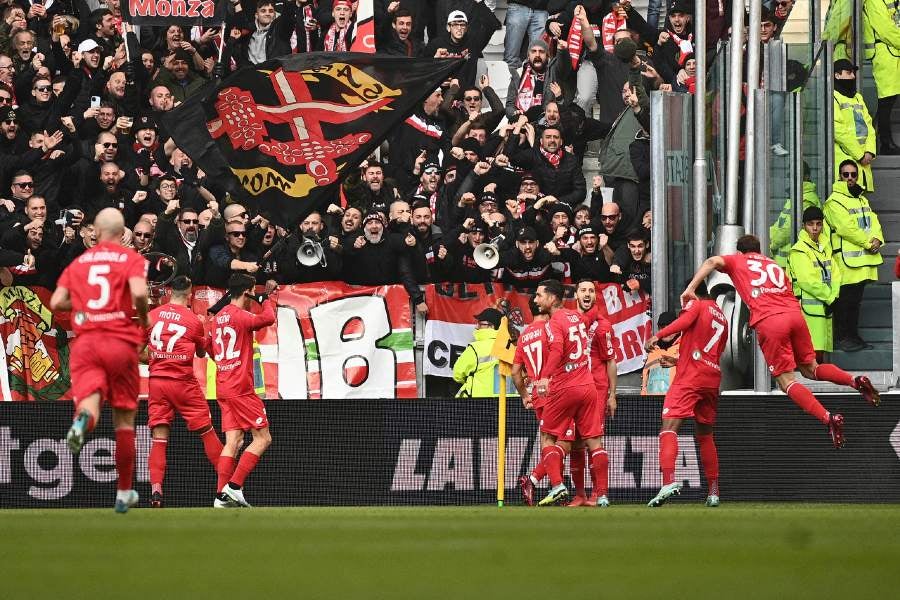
(175, 336)
(105, 288)
(694, 392)
(242, 410)
(781, 330)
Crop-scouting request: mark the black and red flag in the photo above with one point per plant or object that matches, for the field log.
(288, 131)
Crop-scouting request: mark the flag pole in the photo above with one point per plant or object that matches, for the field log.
(501, 439)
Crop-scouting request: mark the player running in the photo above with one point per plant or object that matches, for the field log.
(781, 330)
(531, 353)
(105, 288)
(694, 392)
(175, 336)
(242, 410)
(603, 368)
(572, 395)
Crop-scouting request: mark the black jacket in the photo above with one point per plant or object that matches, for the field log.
(566, 181)
(379, 264)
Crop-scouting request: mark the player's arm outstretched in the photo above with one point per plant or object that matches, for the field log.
(684, 320)
(713, 263)
(266, 317)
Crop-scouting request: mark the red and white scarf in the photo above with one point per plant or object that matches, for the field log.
(553, 158)
(575, 41)
(685, 46)
(429, 129)
(529, 95)
(336, 39)
(611, 24)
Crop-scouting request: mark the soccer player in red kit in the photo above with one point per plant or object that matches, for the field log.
(603, 368)
(231, 342)
(531, 354)
(572, 394)
(176, 335)
(105, 288)
(694, 392)
(781, 330)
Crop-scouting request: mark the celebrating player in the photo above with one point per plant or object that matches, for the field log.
(694, 392)
(105, 288)
(176, 335)
(242, 410)
(531, 353)
(781, 330)
(572, 395)
(603, 368)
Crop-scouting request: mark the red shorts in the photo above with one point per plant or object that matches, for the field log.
(572, 409)
(785, 342)
(599, 412)
(168, 395)
(243, 412)
(107, 365)
(700, 404)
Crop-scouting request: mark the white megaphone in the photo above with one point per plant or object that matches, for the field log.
(310, 253)
(487, 255)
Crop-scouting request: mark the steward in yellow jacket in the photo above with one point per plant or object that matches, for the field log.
(854, 135)
(475, 368)
(781, 232)
(856, 241)
(815, 277)
(881, 40)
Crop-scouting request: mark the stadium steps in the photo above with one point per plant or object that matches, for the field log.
(875, 326)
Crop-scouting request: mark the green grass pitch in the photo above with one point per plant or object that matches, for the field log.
(679, 551)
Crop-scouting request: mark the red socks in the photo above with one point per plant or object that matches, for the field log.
(157, 463)
(125, 452)
(709, 456)
(212, 445)
(803, 398)
(834, 374)
(576, 470)
(600, 472)
(552, 458)
(245, 466)
(539, 471)
(224, 468)
(668, 453)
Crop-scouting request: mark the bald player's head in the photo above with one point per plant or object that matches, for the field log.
(110, 224)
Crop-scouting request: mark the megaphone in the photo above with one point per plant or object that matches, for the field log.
(487, 255)
(310, 253)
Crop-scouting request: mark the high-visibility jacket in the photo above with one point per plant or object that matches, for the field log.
(475, 368)
(853, 225)
(881, 43)
(781, 232)
(817, 283)
(854, 135)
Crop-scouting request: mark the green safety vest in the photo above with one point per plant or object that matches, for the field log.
(854, 135)
(780, 233)
(816, 280)
(853, 224)
(881, 43)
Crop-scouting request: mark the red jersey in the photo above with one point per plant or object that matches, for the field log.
(232, 347)
(531, 349)
(704, 333)
(569, 353)
(599, 332)
(762, 284)
(101, 298)
(175, 334)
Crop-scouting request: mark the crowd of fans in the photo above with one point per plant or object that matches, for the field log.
(82, 130)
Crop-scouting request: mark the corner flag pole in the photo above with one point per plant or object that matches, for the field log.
(504, 350)
(501, 437)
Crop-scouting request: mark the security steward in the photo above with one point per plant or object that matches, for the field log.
(816, 279)
(475, 368)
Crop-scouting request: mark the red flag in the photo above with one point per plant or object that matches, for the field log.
(364, 38)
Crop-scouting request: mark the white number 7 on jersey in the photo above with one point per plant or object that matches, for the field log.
(718, 330)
